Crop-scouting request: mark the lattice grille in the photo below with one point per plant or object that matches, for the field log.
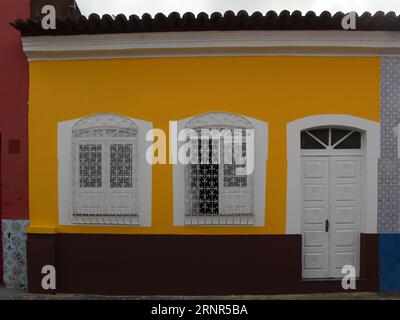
(121, 166)
(90, 166)
(105, 133)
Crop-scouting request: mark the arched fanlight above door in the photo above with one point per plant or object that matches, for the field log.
(330, 138)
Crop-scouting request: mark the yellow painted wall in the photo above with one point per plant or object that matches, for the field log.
(276, 90)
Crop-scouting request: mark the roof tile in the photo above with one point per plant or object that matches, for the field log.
(271, 20)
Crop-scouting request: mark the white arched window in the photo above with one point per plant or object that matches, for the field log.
(104, 171)
(218, 187)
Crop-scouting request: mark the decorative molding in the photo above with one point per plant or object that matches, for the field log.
(293, 197)
(211, 43)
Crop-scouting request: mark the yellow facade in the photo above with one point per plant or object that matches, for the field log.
(276, 90)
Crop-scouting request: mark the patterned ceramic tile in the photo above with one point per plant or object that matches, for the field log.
(14, 253)
(389, 165)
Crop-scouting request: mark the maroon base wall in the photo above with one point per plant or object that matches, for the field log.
(183, 265)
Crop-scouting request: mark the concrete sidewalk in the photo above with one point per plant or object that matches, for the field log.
(18, 295)
(8, 294)
(320, 296)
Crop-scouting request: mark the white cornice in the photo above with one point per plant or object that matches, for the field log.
(211, 43)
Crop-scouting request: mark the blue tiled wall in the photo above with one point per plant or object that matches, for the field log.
(389, 252)
(389, 174)
(389, 164)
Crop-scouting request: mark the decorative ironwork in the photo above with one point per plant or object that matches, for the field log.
(219, 119)
(121, 166)
(105, 132)
(90, 166)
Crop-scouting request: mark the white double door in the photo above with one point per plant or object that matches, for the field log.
(331, 209)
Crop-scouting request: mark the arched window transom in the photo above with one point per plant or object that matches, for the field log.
(330, 139)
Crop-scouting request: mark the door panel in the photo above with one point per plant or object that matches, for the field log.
(235, 185)
(235, 201)
(331, 191)
(315, 213)
(345, 213)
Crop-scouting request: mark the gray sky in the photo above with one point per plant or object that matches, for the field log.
(166, 6)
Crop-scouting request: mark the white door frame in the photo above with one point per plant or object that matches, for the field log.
(371, 131)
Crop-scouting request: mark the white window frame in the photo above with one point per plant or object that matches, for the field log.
(371, 131)
(259, 178)
(65, 176)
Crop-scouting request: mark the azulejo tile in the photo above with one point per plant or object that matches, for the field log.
(389, 165)
(14, 253)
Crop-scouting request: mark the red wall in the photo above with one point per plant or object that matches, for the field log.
(13, 112)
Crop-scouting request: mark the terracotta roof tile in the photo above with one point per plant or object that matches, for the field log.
(285, 20)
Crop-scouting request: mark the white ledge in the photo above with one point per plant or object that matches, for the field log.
(211, 43)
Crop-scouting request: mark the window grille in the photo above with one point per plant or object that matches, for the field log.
(90, 165)
(121, 166)
(218, 190)
(105, 171)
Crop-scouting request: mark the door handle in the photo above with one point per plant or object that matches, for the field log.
(327, 225)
